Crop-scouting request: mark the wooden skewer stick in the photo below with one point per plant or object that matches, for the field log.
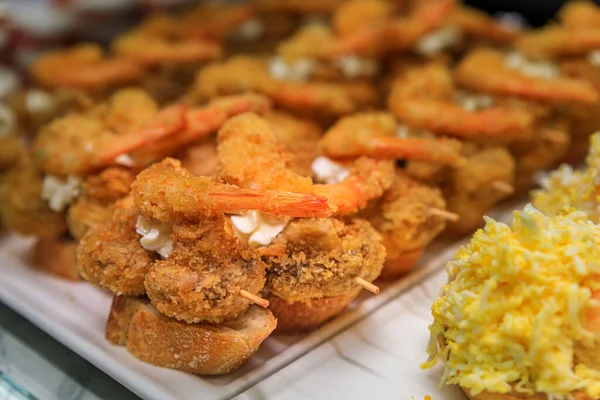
(367, 285)
(438, 212)
(503, 187)
(254, 299)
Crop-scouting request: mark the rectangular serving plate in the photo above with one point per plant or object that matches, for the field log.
(75, 315)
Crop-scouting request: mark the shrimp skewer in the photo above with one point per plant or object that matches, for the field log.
(165, 190)
(368, 178)
(373, 135)
(484, 70)
(423, 98)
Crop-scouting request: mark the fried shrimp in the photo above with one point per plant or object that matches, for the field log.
(554, 41)
(21, 207)
(374, 135)
(403, 218)
(165, 192)
(485, 70)
(316, 258)
(110, 255)
(98, 193)
(204, 273)
(77, 144)
(83, 67)
(579, 14)
(424, 98)
(299, 135)
(478, 26)
(368, 178)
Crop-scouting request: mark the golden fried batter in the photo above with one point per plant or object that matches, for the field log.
(202, 277)
(11, 149)
(300, 137)
(21, 205)
(111, 255)
(316, 258)
(99, 191)
(402, 216)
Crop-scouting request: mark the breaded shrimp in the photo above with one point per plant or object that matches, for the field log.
(21, 206)
(424, 98)
(316, 258)
(485, 70)
(110, 255)
(300, 137)
(204, 273)
(404, 219)
(11, 150)
(367, 180)
(98, 193)
(166, 192)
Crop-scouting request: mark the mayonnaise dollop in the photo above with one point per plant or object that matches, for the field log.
(326, 171)
(59, 193)
(298, 71)
(38, 101)
(155, 237)
(257, 228)
(8, 121)
(353, 67)
(439, 40)
(539, 69)
(473, 102)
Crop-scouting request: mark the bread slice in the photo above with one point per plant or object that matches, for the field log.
(300, 317)
(399, 266)
(56, 257)
(485, 395)
(204, 349)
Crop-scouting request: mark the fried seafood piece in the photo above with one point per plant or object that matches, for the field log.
(110, 255)
(98, 193)
(470, 190)
(201, 278)
(579, 14)
(242, 74)
(83, 67)
(403, 218)
(205, 349)
(477, 27)
(299, 135)
(311, 266)
(11, 150)
(486, 70)
(424, 98)
(553, 42)
(368, 178)
(166, 192)
(21, 205)
(307, 7)
(373, 134)
(201, 158)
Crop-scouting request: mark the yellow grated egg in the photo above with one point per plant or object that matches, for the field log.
(565, 186)
(514, 315)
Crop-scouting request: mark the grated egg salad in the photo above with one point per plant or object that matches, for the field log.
(576, 188)
(511, 316)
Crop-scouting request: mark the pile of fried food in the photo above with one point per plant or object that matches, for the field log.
(233, 169)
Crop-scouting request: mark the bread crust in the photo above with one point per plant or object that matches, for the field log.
(399, 266)
(485, 395)
(56, 257)
(300, 317)
(203, 349)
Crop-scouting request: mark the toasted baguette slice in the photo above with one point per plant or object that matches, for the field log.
(485, 395)
(300, 317)
(399, 266)
(204, 349)
(56, 257)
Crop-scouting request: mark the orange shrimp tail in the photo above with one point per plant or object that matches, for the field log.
(273, 202)
(430, 150)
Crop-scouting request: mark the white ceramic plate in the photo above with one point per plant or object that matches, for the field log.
(75, 314)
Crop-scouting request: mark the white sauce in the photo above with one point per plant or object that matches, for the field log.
(38, 101)
(155, 237)
(326, 171)
(60, 193)
(125, 160)
(538, 69)
(354, 67)
(250, 30)
(8, 121)
(257, 228)
(594, 58)
(473, 102)
(9, 82)
(299, 71)
(439, 40)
